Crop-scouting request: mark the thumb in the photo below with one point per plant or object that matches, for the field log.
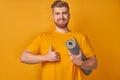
(69, 52)
(51, 48)
(80, 53)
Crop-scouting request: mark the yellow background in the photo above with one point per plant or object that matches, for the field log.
(22, 20)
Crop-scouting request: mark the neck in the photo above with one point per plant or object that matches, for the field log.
(62, 30)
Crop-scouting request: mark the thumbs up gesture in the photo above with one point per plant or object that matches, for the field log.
(52, 55)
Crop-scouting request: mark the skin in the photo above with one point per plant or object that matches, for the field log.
(61, 18)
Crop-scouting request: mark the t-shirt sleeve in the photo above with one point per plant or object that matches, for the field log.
(34, 47)
(87, 49)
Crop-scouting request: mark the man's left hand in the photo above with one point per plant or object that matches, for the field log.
(76, 59)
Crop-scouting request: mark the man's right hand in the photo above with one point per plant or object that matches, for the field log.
(30, 58)
(52, 55)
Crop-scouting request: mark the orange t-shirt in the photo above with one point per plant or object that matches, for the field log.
(64, 69)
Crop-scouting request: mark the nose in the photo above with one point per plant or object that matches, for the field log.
(61, 16)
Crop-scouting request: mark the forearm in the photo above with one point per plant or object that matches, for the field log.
(89, 64)
(30, 58)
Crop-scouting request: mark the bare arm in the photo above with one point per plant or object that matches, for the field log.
(90, 63)
(30, 58)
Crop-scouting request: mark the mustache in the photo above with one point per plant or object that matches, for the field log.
(61, 19)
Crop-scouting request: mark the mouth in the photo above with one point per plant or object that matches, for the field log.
(61, 20)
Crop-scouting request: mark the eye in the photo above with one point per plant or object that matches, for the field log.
(57, 13)
(65, 13)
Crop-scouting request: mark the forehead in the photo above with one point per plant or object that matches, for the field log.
(60, 9)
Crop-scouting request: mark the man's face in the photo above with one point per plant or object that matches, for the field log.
(61, 16)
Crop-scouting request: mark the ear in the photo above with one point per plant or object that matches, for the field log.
(52, 15)
(69, 15)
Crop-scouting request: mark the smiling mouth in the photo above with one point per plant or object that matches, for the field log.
(61, 20)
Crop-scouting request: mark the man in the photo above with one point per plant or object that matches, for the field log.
(50, 50)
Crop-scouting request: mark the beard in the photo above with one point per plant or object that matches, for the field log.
(61, 23)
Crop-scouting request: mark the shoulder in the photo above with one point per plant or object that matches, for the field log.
(79, 34)
(43, 34)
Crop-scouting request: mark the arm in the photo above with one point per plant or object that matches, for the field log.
(90, 63)
(31, 58)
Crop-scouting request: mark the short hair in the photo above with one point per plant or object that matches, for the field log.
(59, 3)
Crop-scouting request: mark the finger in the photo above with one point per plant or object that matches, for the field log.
(55, 54)
(73, 55)
(69, 52)
(57, 58)
(71, 58)
(80, 53)
(51, 48)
